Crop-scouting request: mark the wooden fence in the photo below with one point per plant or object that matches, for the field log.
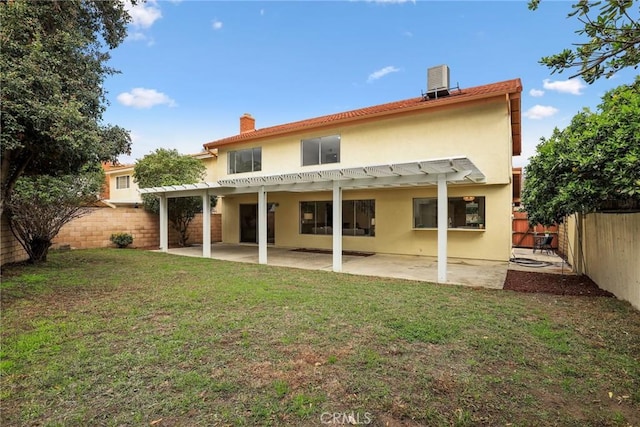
(523, 233)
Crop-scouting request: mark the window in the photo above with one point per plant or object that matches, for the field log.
(249, 160)
(319, 151)
(122, 182)
(358, 217)
(463, 212)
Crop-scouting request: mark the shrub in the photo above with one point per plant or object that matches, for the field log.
(122, 240)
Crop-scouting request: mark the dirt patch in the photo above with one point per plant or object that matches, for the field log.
(556, 284)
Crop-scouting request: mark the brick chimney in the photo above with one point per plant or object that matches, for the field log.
(247, 123)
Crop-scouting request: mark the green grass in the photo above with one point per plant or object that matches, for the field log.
(127, 337)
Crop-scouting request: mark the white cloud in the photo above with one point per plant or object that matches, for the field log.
(381, 73)
(407, 34)
(143, 15)
(216, 25)
(572, 86)
(538, 112)
(140, 36)
(536, 93)
(140, 97)
(262, 12)
(137, 36)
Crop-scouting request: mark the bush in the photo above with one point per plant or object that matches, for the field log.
(122, 240)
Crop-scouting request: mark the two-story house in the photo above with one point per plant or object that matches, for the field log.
(120, 188)
(431, 175)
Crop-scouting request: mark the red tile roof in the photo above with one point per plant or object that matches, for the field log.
(512, 88)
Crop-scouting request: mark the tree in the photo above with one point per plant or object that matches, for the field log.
(52, 67)
(593, 162)
(613, 39)
(168, 167)
(41, 205)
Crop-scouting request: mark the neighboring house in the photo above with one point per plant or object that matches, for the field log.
(430, 175)
(121, 189)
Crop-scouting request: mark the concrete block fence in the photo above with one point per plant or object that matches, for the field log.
(94, 230)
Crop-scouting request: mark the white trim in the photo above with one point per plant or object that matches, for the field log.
(164, 223)
(337, 226)
(206, 225)
(262, 226)
(443, 225)
(459, 169)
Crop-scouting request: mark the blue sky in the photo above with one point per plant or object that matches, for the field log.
(189, 69)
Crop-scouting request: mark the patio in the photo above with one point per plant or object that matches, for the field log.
(466, 272)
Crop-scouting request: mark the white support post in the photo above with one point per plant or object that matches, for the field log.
(337, 226)
(262, 226)
(206, 225)
(443, 225)
(164, 223)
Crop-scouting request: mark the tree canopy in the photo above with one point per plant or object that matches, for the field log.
(52, 68)
(613, 39)
(41, 204)
(169, 167)
(589, 164)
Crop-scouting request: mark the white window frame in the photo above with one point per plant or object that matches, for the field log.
(468, 212)
(232, 169)
(312, 223)
(119, 186)
(319, 140)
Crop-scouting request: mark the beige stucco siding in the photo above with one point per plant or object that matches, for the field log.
(394, 223)
(210, 164)
(480, 132)
(123, 195)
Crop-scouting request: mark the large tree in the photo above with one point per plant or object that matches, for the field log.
(52, 68)
(592, 164)
(168, 167)
(40, 205)
(612, 32)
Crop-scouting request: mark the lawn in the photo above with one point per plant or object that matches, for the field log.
(128, 337)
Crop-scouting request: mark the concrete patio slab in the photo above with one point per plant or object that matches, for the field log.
(476, 273)
(524, 259)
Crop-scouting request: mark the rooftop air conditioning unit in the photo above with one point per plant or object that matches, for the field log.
(438, 81)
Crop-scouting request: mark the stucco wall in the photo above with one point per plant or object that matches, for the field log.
(394, 223)
(608, 251)
(482, 132)
(123, 195)
(612, 253)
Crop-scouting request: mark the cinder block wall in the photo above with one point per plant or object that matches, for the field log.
(12, 251)
(95, 229)
(195, 229)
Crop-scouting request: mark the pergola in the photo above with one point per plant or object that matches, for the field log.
(440, 172)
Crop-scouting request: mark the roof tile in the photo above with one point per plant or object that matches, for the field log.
(457, 96)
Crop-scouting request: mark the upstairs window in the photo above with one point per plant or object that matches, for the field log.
(249, 160)
(123, 182)
(320, 151)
